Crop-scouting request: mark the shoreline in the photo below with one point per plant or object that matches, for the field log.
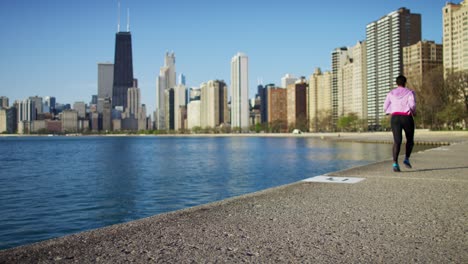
(422, 136)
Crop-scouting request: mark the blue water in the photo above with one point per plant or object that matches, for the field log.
(54, 186)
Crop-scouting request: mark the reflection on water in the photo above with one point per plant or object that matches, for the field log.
(55, 186)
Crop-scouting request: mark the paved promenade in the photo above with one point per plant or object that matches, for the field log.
(417, 216)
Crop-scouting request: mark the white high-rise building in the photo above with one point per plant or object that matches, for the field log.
(287, 80)
(240, 91)
(105, 83)
(165, 80)
(352, 92)
(455, 37)
(142, 120)
(169, 62)
(385, 40)
(3, 119)
(161, 86)
(213, 108)
(26, 110)
(193, 114)
(133, 101)
(180, 96)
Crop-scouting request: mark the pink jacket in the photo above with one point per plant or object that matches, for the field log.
(401, 100)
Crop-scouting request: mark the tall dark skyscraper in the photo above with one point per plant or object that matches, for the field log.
(123, 69)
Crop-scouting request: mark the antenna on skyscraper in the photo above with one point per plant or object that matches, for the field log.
(128, 19)
(118, 17)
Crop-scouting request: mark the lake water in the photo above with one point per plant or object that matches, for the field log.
(54, 186)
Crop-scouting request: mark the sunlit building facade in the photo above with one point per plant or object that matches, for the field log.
(240, 91)
(319, 98)
(455, 37)
(385, 39)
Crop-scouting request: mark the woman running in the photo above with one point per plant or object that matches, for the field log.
(401, 104)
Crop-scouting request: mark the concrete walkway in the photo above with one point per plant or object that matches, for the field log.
(418, 215)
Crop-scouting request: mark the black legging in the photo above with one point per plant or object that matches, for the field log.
(399, 123)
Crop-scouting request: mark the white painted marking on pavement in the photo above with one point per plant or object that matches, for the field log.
(332, 179)
(439, 149)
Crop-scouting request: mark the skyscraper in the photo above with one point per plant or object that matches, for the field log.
(3, 102)
(134, 99)
(27, 110)
(169, 110)
(240, 91)
(193, 114)
(455, 40)
(385, 41)
(165, 80)
(320, 102)
(123, 69)
(419, 60)
(339, 58)
(3, 119)
(352, 92)
(180, 95)
(8, 121)
(37, 103)
(69, 121)
(276, 106)
(297, 104)
(181, 79)
(80, 108)
(107, 114)
(105, 83)
(262, 95)
(213, 106)
(142, 120)
(49, 104)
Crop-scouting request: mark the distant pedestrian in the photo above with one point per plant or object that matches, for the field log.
(401, 104)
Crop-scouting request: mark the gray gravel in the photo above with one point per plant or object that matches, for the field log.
(418, 215)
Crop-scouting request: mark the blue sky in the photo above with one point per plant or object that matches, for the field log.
(52, 47)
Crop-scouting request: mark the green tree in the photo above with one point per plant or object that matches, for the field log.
(208, 130)
(456, 85)
(225, 129)
(236, 130)
(183, 131)
(324, 121)
(277, 126)
(452, 115)
(348, 122)
(257, 128)
(302, 123)
(385, 123)
(197, 130)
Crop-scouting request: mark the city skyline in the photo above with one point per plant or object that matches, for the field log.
(60, 57)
